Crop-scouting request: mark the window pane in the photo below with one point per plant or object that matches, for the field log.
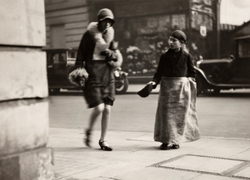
(244, 48)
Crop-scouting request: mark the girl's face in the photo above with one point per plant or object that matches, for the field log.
(174, 43)
(104, 24)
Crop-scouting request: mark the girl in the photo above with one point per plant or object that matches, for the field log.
(98, 55)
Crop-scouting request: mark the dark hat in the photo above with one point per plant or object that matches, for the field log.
(105, 13)
(144, 92)
(178, 34)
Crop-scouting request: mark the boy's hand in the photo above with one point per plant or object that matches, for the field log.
(152, 83)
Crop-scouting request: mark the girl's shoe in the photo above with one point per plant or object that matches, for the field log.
(87, 139)
(104, 146)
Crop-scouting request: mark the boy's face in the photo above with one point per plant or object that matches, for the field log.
(174, 43)
(104, 24)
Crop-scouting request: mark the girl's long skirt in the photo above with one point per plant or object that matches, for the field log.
(176, 117)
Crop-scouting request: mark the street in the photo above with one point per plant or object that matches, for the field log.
(225, 115)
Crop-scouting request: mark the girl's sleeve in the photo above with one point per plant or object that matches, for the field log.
(159, 72)
(81, 52)
(191, 67)
(116, 58)
(119, 59)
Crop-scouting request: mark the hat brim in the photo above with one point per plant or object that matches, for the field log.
(108, 17)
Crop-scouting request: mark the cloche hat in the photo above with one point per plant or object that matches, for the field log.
(106, 13)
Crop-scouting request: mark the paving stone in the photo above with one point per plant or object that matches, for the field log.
(201, 164)
(244, 173)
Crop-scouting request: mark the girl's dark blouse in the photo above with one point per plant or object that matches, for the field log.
(181, 66)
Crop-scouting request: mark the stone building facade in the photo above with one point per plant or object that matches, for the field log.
(66, 21)
(24, 118)
(142, 27)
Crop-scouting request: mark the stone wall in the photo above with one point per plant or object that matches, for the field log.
(24, 129)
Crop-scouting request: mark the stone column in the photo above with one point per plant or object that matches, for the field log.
(24, 127)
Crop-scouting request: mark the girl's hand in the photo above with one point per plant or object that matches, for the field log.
(192, 79)
(111, 63)
(107, 53)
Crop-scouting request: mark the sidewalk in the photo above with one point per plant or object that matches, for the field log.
(137, 157)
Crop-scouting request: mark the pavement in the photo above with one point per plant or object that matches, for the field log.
(137, 157)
